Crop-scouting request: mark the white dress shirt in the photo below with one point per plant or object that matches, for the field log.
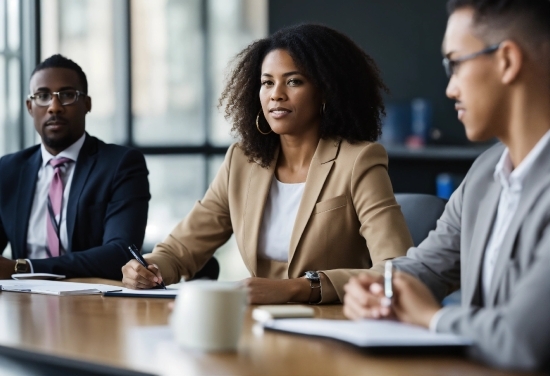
(36, 235)
(278, 219)
(511, 181)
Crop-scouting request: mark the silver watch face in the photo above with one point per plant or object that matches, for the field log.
(312, 276)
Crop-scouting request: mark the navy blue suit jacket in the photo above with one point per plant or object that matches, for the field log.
(106, 212)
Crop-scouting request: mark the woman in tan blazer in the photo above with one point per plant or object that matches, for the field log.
(306, 188)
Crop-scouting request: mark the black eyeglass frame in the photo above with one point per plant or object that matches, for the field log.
(78, 94)
(451, 64)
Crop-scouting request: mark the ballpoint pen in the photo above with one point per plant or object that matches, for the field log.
(137, 255)
(388, 290)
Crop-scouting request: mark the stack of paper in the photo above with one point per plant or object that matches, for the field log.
(55, 287)
(369, 333)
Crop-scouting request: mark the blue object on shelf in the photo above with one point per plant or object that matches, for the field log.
(397, 123)
(444, 185)
(421, 114)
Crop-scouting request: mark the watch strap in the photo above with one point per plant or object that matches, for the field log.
(314, 279)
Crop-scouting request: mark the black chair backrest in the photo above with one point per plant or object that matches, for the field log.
(211, 270)
(421, 213)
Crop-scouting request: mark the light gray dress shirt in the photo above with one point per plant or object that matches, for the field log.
(36, 235)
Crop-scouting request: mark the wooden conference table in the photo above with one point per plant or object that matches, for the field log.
(99, 331)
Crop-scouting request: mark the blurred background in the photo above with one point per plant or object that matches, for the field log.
(156, 69)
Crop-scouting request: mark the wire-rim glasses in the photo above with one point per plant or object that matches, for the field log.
(66, 97)
(451, 64)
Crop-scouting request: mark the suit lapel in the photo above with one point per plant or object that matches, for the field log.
(483, 228)
(535, 183)
(86, 160)
(259, 183)
(321, 164)
(25, 198)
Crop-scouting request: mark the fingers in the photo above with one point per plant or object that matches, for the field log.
(135, 276)
(155, 270)
(360, 301)
(414, 302)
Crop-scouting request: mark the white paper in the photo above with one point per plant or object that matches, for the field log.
(368, 333)
(45, 276)
(55, 287)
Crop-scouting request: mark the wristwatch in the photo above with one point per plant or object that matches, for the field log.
(315, 284)
(22, 266)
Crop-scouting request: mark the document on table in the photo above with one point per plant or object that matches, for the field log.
(41, 276)
(169, 293)
(369, 333)
(55, 287)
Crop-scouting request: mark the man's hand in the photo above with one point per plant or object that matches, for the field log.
(413, 302)
(7, 268)
(364, 296)
(135, 276)
(277, 291)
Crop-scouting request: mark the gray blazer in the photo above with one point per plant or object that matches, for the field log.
(512, 328)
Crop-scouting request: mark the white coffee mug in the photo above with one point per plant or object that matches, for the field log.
(209, 315)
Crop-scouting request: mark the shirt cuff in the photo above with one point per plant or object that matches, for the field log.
(30, 265)
(435, 320)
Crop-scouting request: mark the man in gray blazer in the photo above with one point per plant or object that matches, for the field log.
(493, 240)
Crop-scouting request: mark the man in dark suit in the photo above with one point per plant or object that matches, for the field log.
(72, 204)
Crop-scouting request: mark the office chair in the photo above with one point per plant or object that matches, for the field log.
(211, 270)
(421, 213)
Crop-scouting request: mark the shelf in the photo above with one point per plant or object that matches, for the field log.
(464, 153)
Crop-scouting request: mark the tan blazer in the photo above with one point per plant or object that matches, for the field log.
(348, 218)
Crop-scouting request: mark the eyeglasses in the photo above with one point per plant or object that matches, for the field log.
(451, 64)
(66, 97)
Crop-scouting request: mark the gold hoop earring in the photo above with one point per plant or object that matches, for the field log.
(322, 111)
(258, 125)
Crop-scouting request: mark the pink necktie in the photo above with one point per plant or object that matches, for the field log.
(55, 203)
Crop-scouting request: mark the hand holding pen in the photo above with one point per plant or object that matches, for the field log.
(370, 294)
(137, 255)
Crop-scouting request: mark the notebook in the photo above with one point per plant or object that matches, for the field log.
(55, 287)
(370, 333)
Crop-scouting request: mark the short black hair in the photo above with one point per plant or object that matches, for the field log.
(60, 61)
(347, 78)
(531, 17)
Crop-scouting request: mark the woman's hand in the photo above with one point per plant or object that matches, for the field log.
(135, 276)
(277, 291)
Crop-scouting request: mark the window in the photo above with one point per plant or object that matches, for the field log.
(11, 104)
(83, 31)
(155, 72)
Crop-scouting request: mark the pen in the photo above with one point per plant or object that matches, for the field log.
(137, 255)
(388, 274)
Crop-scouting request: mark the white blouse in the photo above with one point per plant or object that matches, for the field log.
(278, 219)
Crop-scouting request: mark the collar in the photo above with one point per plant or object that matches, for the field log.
(71, 152)
(513, 178)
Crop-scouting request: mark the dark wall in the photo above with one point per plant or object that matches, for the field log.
(403, 36)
